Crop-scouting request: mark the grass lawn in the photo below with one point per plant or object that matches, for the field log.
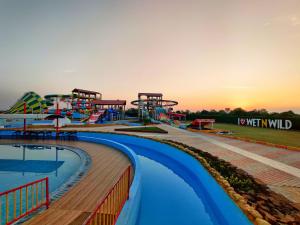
(283, 137)
(143, 129)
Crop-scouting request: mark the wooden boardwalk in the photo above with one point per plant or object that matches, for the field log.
(77, 204)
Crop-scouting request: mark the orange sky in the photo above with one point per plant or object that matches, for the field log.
(205, 54)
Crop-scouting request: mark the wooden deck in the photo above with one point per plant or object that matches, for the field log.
(77, 204)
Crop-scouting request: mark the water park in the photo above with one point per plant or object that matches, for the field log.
(79, 159)
(79, 107)
(84, 107)
(142, 112)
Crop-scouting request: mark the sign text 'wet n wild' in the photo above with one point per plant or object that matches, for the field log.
(266, 123)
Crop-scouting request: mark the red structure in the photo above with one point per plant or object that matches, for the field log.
(57, 119)
(116, 104)
(176, 116)
(200, 123)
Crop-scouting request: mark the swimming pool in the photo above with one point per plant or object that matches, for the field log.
(21, 164)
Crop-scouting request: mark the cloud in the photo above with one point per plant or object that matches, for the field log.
(69, 71)
(290, 20)
(237, 87)
(294, 20)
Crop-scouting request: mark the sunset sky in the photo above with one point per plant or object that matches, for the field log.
(207, 54)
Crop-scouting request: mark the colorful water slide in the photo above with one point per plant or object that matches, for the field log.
(34, 104)
(94, 117)
(161, 114)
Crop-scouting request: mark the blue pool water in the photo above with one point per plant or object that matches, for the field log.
(21, 164)
(162, 190)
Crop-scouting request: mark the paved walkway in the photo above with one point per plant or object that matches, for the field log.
(278, 168)
(262, 159)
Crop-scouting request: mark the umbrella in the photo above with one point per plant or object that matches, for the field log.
(53, 117)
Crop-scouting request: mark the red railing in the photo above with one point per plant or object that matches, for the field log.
(21, 201)
(109, 209)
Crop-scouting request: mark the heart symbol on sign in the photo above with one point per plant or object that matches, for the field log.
(242, 121)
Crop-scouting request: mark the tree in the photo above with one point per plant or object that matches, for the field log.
(288, 114)
(238, 112)
(132, 112)
(204, 112)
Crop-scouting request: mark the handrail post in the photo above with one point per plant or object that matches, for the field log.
(129, 175)
(47, 193)
(25, 109)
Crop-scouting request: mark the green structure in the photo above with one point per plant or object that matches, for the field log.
(34, 104)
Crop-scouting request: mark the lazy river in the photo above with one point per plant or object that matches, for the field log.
(174, 188)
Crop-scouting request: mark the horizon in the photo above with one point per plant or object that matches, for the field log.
(176, 108)
(203, 54)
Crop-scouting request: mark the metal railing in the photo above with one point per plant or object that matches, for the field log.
(109, 209)
(21, 201)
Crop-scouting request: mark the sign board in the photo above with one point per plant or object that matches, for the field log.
(281, 124)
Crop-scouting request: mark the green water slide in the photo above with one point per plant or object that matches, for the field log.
(34, 102)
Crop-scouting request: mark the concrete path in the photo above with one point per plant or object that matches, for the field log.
(270, 162)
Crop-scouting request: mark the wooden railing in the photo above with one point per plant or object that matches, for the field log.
(21, 201)
(109, 209)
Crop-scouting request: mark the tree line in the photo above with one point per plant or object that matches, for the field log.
(237, 112)
(231, 116)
